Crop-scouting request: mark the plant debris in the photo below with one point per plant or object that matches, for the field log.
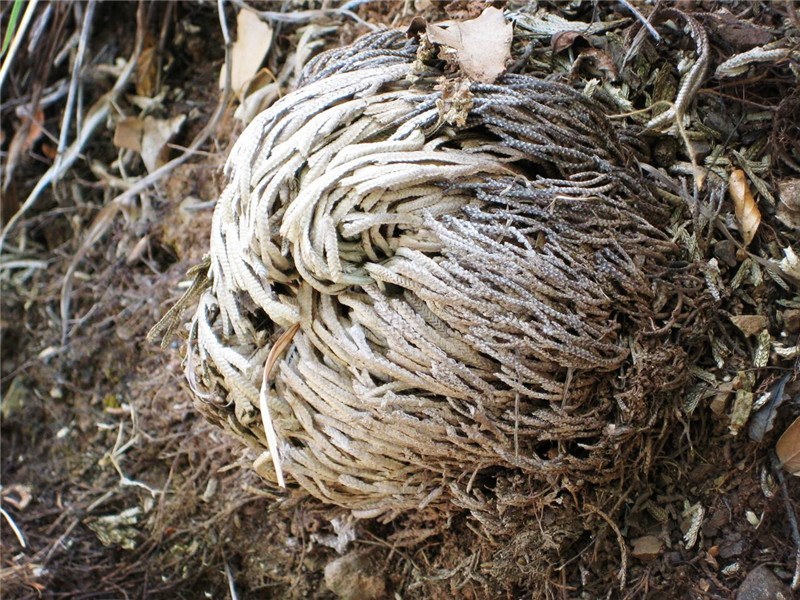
(747, 213)
(482, 46)
(788, 448)
(253, 41)
(96, 247)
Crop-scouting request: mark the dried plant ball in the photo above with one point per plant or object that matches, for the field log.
(474, 281)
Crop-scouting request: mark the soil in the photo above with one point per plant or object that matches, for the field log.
(119, 488)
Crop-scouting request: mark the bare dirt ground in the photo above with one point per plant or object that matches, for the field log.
(113, 486)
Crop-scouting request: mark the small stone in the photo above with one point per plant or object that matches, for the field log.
(673, 558)
(725, 251)
(647, 547)
(354, 577)
(750, 324)
(731, 547)
(761, 584)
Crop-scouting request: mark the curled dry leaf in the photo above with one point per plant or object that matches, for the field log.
(565, 39)
(482, 45)
(788, 448)
(747, 214)
(253, 40)
(149, 137)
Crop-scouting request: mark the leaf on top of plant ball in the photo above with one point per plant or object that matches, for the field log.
(482, 45)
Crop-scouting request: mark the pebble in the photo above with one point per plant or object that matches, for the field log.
(353, 577)
(762, 584)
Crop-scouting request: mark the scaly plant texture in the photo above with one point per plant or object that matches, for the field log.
(482, 297)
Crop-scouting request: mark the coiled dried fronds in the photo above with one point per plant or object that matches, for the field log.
(470, 272)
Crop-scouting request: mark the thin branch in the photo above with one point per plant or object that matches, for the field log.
(14, 528)
(106, 216)
(97, 116)
(73, 84)
(306, 16)
(641, 18)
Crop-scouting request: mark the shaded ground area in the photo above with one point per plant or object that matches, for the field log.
(119, 489)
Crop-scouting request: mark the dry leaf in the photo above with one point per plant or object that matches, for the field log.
(747, 213)
(788, 448)
(482, 45)
(257, 101)
(128, 134)
(253, 40)
(565, 39)
(155, 135)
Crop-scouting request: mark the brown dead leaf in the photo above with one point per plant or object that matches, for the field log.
(155, 135)
(788, 448)
(747, 213)
(128, 134)
(253, 40)
(565, 39)
(791, 319)
(482, 45)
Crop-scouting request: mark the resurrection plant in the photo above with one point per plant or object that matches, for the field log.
(419, 291)
(438, 289)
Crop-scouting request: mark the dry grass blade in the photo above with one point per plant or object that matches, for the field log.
(14, 528)
(263, 398)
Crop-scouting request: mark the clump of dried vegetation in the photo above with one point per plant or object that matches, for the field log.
(116, 122)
